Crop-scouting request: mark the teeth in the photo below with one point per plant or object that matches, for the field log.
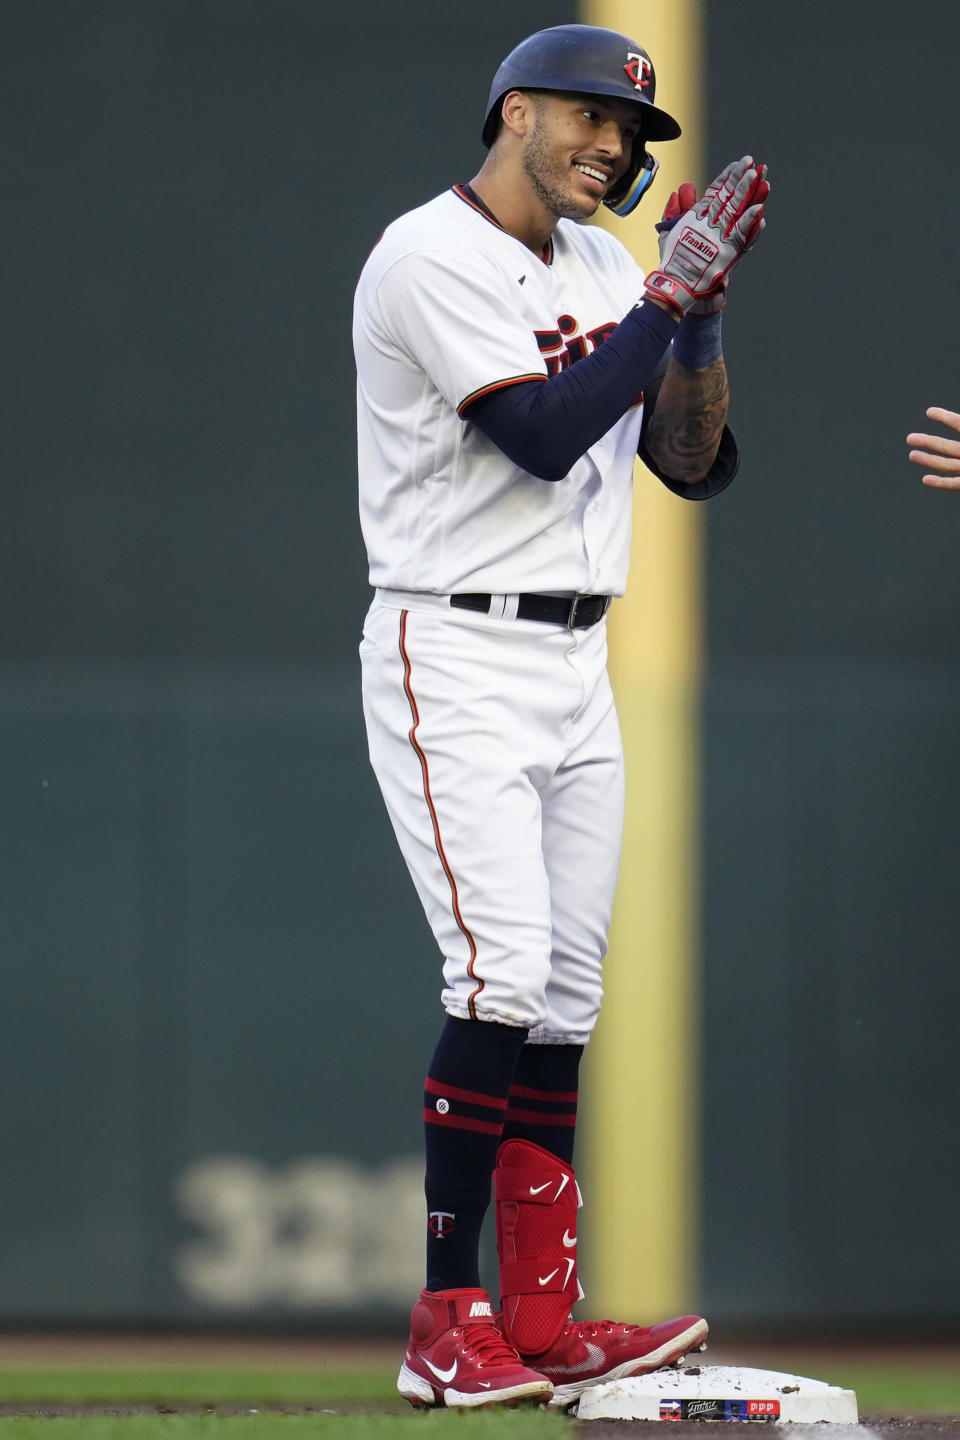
(596, 174)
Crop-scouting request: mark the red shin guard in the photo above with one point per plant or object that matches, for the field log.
(536, 1201)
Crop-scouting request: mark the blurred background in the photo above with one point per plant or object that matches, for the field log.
(219, 992)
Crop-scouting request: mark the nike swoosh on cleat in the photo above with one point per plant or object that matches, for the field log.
(545, 1278)
(484, 1384)
(569, 1240)
(594, 1360)
(446, 1376)
(536, 1189)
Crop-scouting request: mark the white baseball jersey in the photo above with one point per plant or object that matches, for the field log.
(495, 740)
(450, 307)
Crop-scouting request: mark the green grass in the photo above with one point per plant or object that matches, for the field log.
(435, 1425)
(904, 1389)
(350, 1390)
(170, 1384)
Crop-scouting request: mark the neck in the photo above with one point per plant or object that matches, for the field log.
(520, 212)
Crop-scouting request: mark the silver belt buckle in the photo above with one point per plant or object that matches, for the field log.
(574, 605)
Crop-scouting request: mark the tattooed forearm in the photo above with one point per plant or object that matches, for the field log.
(683, 433)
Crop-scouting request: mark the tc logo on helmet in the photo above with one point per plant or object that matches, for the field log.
(638, 70)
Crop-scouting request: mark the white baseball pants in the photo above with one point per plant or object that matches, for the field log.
(498, 753)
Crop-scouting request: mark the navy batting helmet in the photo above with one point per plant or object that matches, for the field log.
(588, 60)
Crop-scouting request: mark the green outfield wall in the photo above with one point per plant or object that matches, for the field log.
(220, 994)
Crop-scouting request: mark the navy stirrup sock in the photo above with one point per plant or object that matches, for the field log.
(542, 1104)
(464, 1105)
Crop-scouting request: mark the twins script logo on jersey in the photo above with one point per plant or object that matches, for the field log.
(562, 347)
(638, 70)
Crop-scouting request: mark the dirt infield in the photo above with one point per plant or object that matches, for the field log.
(805, 1356)
(870, 1428)
(199, 1349)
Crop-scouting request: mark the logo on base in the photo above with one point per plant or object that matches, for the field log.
(763, 1409)
(719, 1409)
(705, 1410)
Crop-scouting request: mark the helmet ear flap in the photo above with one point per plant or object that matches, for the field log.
(632, 189)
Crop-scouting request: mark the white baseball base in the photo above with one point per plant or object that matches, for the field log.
(719, 1392)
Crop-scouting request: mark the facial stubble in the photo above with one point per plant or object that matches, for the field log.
(549, 175)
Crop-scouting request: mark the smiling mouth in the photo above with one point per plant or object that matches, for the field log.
(592, 172)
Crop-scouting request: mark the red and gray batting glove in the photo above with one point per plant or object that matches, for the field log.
(702, 240)
(679, 203)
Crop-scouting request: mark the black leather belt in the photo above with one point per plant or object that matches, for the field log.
(576, 613)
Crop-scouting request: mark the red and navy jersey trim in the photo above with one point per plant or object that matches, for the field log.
(497, 385)
(469, 196)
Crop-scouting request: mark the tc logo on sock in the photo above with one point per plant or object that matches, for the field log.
(441, 1223)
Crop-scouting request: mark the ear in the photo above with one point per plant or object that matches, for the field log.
(518, 112)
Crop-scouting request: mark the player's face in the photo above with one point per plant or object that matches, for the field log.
(578, 149)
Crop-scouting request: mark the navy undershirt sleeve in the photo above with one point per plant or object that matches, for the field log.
(545, 427)
(721, 472)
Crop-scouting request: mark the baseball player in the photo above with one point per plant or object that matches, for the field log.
(511, 364)
(940, 456)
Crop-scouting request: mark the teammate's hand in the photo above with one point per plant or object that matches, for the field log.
(697, 255)
(941, 456)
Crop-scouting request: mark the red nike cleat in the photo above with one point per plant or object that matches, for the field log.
(588, 1353)
(457, 1356)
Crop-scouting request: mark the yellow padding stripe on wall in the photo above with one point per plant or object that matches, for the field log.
(640, 1088)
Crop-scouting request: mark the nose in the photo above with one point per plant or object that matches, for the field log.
(611, 140)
